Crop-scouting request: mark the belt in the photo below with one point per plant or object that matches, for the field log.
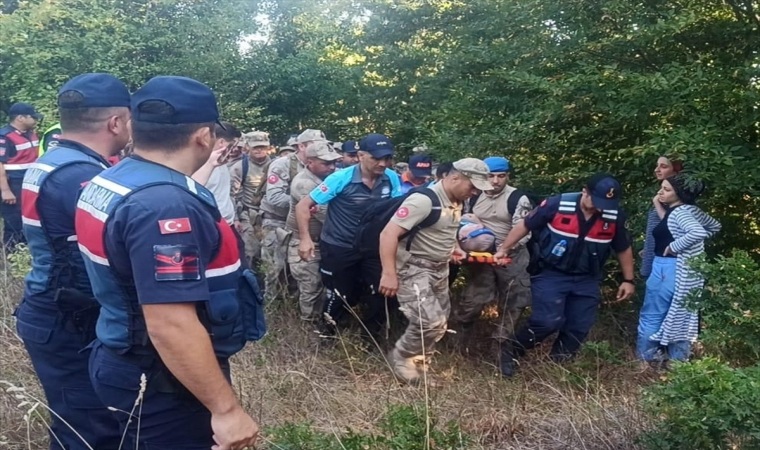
(422, 262)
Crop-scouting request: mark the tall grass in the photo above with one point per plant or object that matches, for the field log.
(292, 377)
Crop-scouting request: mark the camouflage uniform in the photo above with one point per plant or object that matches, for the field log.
(508, 286)
(247, 196)
(423, 274)
(311, 291)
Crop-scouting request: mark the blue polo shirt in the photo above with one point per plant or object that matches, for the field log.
(349, 198)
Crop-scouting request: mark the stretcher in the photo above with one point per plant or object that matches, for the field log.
(485, 258)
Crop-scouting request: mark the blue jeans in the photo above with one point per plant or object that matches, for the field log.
(659, 294)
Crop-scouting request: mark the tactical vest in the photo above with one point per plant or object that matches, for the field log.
(234, 313)
(26, 151)
(56, 262)
(584, 253)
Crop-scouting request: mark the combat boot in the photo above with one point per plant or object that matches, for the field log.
(405, 369)
(507, 361)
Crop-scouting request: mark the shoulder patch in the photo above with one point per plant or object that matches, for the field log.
(176, 262)
(402, 212)
(2, 151)
(323, 187)
(273, 179)
(173, 226)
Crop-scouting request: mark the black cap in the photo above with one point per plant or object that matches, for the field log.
(192, 101)
(24, 109)
(605, 191)
(98, 90)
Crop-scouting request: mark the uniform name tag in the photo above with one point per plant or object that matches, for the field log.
(176, 262)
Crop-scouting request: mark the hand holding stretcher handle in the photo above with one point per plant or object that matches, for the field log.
(486, 258)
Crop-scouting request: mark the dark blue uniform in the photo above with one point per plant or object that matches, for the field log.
(17, 153)
(151, 235)
(566, 292)
(56, 318)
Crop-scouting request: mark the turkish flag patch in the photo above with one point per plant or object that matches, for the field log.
(323, 187)
(402, 212)
(273, 179)
(172, 226)
(177, 262)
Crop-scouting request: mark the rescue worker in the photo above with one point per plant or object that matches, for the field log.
(57, 315)
(349, 193)
(19, 148)
(215, 176)
(420, 277)
(576, 231)
(165, 269)
(50, 138)
(418, 174)
(508, 285)
(248, 179)
(275, 207)
(320, 162)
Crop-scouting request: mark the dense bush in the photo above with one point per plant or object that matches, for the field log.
(705, 405)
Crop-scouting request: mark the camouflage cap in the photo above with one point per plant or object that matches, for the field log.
(310, 136)
(322, 150)
(255, 139)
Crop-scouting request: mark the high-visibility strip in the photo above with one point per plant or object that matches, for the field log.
(609, 217)
(94, 212)
(111, 186)
(92, 257)
(601, 241)
(18, 166)
(562, 233)
(43, 167)
(31, 187)
(32, 222)
(27, 145)
(211, 273)
(564, 203)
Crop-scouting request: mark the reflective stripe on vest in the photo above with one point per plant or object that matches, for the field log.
(26, 151)
(56, 262)
(121, 325)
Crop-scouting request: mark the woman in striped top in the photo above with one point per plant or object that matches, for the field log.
(667, 166)
(664, 321)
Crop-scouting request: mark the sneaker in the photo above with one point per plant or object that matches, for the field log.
(404, 368)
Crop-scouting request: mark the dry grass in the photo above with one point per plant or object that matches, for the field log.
(291, 377)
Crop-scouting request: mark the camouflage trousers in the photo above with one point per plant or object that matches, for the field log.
(311, 291)
(273, 258)
(251, 233)
(508, 287)
(423, 297)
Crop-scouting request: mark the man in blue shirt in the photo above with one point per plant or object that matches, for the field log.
(19, 148)
(576, 232)
(56, 318)
(348, 194)
(165, 268)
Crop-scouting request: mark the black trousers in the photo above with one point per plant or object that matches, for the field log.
(350, 277)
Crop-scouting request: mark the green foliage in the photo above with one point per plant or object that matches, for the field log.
(402, 428)
(705, 405)
(20, 262)
(730, 307)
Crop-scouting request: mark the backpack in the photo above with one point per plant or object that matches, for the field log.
(512, 200)
(374, 220)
